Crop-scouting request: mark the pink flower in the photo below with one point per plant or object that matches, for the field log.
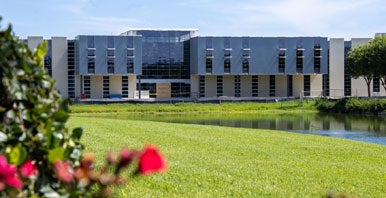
(63, 171)
(8, 175)
(111, 158)
(28, 169)
(151, 161)
(126, 156)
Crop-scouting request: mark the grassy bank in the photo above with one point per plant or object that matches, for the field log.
(210, 161)
(247, 107)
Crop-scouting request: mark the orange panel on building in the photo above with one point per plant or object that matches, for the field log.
(163, 90)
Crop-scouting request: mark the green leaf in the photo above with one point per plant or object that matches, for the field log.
(40, 52)
(17, 155)
(55, 154)
(77, 133)
(60, 116)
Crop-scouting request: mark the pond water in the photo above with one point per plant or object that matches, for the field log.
(355, 127)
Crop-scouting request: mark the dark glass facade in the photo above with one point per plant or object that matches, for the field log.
(166, 54)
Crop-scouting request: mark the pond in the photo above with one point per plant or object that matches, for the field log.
(355, 127)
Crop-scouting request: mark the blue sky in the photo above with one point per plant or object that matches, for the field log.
(330, 18)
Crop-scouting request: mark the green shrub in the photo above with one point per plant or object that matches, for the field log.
(33, 115)
(352, 105)
(325, 105)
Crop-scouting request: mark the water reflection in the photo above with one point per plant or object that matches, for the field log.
(355, 127)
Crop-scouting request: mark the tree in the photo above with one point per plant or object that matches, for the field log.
(359, 64)
(377, 51)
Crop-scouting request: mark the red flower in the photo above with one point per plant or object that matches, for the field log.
(28, 169)
(8, 175)
(151, 160)
(63, 171)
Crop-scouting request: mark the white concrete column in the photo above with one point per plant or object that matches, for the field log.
(316, 85)
(298, 85)
(194, 85)
(132, 85)
(96, 87)
(336, 75)
(115, 84)
(210, 86)
(246, 85)
(229, 85)
(281, 85)
(60, 64)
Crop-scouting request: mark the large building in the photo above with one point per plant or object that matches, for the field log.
(177, 63)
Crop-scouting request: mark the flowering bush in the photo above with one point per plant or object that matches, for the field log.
(38, 156)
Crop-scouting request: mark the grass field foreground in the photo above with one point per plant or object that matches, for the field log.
(211, 161)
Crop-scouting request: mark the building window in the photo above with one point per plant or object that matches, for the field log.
(151, 87)
(299, 60)
(91, 52)
(307, 85)
(245, 66)
(326, 86)
(106, 86)
(347, 77)
(282, 57)
(91, 66)
(317, 58)
(255, 86)
(376, 84)
(110, 65)
(290, 86)
(219, 86)
(246, 53)
(180, 90)
(130, 66)
(110, 52)
(48, 65)
(227, 53)
(209, 65)
(347, 85)
(237, 86)
(130, 52)
(87, 86)
(71, 68)
(326, 78)
(209, 53)
(202, 86)
(227, 66)
(125, 87)
(272, 86)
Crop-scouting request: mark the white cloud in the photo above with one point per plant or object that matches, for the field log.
(298, 17)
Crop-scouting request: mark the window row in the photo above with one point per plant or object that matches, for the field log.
(110, 62)
(227, 66)
(110, 52)
(227, 53)
(254, 91)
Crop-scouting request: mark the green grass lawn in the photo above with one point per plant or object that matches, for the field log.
(212, 161)
(245, 107)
